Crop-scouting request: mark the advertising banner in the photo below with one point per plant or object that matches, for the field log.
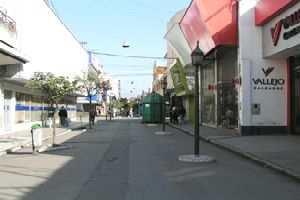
(179, 79)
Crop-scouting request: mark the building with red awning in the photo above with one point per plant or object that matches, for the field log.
(252, 83)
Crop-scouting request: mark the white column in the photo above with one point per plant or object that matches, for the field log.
(13, 110)
(245, 94)
(1, 109)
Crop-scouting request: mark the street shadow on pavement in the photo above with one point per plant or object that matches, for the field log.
(53, 175)
(126, 160)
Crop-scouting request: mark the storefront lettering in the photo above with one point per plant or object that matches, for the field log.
(291, 33)
(269, 82)
(291, 20)
(286, 23)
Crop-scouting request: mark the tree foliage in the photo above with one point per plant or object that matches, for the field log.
(54, 88)
(88, 83)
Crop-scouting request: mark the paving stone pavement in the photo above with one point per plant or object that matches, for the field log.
(18, 139)
(125, 160)
(280, 152)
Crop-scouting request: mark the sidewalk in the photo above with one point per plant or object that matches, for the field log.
(207, 132)
(279, 152)
(15, 140)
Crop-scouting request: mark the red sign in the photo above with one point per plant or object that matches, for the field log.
(288, 22)
(275, 32)
(212, 87)
(237, 81)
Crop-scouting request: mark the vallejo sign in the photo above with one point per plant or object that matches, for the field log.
(282, 33)
(267, 83)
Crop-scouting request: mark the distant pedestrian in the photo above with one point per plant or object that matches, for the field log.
(175, 114)
(93, 116)
(182, 114)
(63, 116)
(171, 114)
(110, 112)
(114, 112)
(127, 113)
(131, 113)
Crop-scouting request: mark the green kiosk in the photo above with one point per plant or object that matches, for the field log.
(152, 108)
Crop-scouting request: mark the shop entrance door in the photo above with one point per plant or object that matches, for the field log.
(296, 100)
(7, 110)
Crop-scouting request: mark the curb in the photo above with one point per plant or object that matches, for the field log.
(49, 148)
(28, 143)
(247, 155)
(84, 126)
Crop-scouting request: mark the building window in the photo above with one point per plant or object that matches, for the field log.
(36, 109)
(226, 88)
(208, 103)
(20, 108)
(28, 108)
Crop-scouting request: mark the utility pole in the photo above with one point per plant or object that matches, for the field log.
(119, 88)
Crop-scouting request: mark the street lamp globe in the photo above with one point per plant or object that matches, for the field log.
(197, 56)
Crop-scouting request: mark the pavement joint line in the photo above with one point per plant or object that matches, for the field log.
(247, 155)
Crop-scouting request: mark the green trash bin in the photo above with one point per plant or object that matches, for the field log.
(152, 108)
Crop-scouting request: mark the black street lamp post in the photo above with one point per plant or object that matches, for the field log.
(197, 60)
(163, 107)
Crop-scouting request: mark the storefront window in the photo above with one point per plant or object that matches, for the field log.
(28, 107)
(36, 111)
(226, 88)
(208, 95)
(227, 105)
(20, 108)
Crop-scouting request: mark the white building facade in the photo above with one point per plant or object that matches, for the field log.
(48, 46)
(269, 60)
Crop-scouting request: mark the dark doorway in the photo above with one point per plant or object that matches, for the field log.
(295, 95)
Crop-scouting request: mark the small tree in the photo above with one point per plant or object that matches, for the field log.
(54, 89)
(89, 83)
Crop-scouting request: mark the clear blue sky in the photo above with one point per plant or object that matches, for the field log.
(105, 24)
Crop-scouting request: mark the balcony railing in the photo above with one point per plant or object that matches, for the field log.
(8, 21)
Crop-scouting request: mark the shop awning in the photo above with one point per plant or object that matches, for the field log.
(176, 39)
(19, 85)
(9, 55)
(265, 10)
(213, 23)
